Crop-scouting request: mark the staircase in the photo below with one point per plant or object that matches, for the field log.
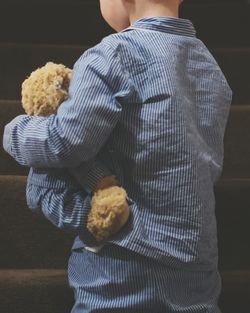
(33, 253)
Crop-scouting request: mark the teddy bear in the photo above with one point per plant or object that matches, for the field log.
(42, 93)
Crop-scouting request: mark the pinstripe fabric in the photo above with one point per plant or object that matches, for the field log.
(119, 281)
(150, 103)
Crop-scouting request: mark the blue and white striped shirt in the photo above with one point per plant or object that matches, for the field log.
(150, 103)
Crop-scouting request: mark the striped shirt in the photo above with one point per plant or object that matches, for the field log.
(150, 103)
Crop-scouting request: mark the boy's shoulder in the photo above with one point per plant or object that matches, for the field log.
(106, 51)
(114, 42)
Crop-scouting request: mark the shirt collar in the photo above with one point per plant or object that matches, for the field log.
(166, 24)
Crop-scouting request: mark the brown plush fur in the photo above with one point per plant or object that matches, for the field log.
(45, 89)
(42, 93)
(109, 212)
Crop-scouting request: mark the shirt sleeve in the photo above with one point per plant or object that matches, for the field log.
(61, 200)
(83, 122)
(89, 174)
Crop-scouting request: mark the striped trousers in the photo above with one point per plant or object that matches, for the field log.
(120, 281)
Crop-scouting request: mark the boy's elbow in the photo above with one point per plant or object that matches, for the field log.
(64, 155)
(33, 207)
(63, 223)
(32, 204)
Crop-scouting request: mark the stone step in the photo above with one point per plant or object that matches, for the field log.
(235, 292)
(30, 241)
(235, 64)
(17, 61)
(80, 22)
(237, 137)
(233, 216)
(8, 110)
(220, 24)
(40, 291)
(35, 291)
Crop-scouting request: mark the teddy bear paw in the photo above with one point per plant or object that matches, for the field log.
(109, 212)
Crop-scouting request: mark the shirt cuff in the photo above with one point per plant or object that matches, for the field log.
(51, 179)
(94, 249)
(88, 174)
(7, 135)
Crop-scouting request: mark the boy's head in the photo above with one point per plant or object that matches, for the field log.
(115, 13)
(119, 14)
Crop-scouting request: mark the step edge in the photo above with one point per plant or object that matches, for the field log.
(225, 182)
(49, 271)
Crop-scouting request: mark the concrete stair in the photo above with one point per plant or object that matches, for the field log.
(237, 137)
(232, 211)
(36, 291)
(32, 242)
(33, 253)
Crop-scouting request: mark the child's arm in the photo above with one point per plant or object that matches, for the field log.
(55, 194)
(83, 122)
(63, 201)
(90, 175)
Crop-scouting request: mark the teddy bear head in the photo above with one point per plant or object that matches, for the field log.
(45, 89)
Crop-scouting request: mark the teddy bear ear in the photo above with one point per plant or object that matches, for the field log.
(69, 76)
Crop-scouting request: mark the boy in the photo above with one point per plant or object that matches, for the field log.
(152, 104)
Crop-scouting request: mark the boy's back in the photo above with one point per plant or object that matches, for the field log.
(167, 148)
